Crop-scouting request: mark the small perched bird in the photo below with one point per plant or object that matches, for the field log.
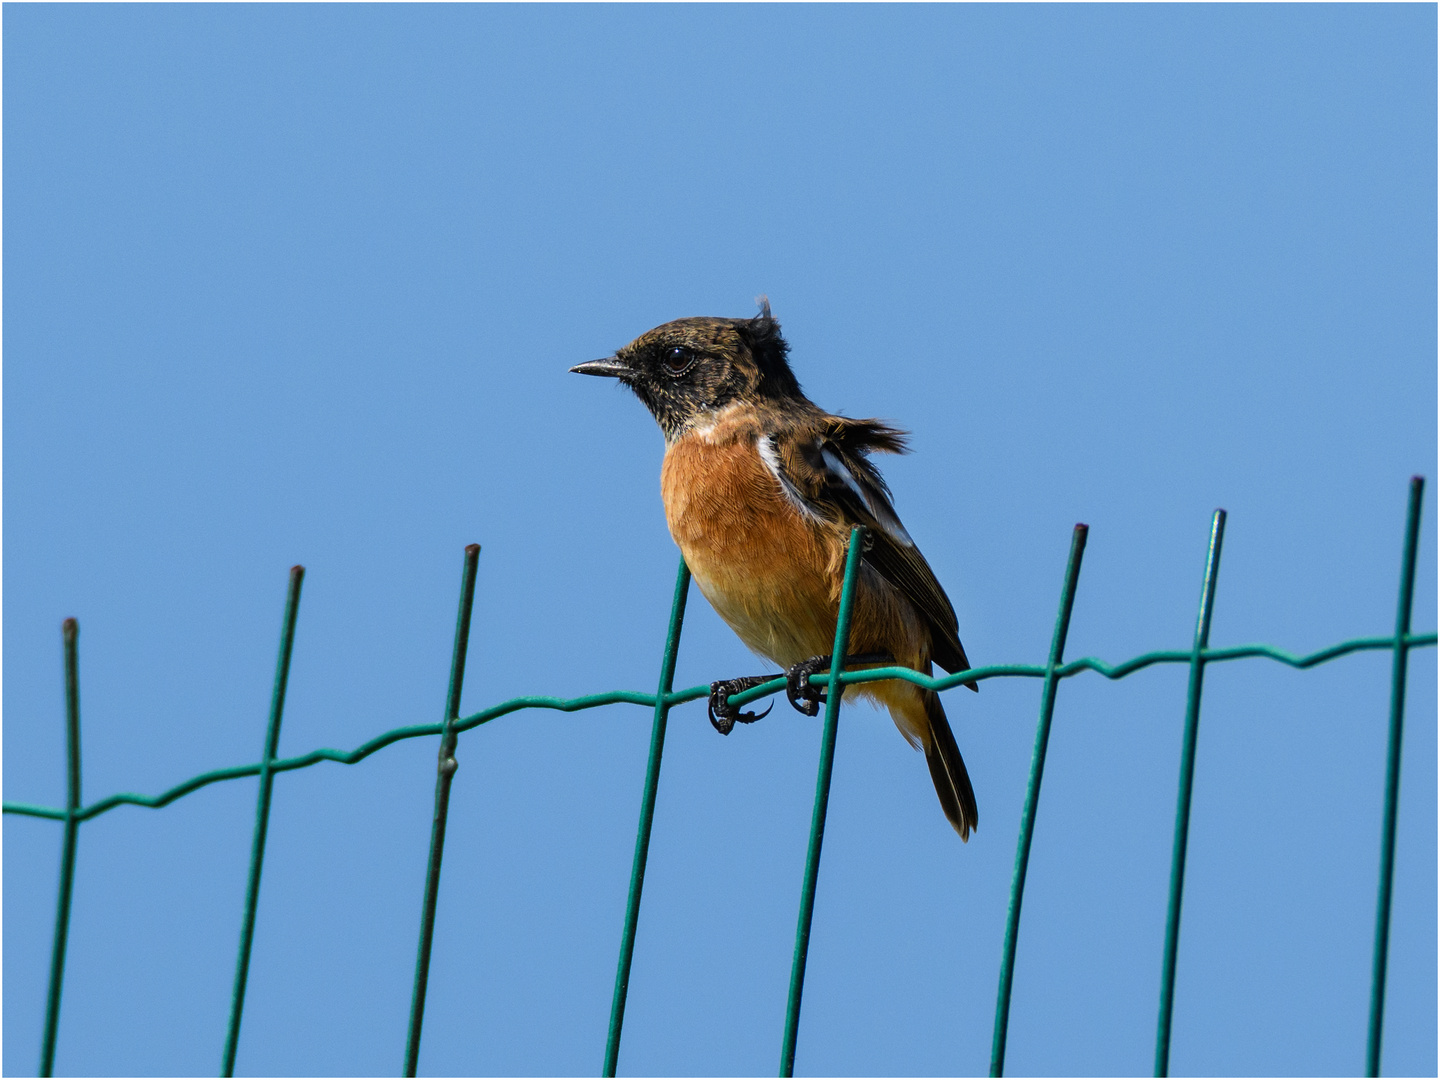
(761, 489)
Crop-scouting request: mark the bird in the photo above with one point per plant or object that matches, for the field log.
(761, 489)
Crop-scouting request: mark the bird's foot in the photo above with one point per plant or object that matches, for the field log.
(807, 698)
(725, 716)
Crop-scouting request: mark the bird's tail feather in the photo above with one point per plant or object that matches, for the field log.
(947, 769)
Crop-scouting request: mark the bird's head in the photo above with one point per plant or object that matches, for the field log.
(688, 370)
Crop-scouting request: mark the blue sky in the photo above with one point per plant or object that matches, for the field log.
(301, 284)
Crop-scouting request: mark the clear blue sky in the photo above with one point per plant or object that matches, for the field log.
(301, 284)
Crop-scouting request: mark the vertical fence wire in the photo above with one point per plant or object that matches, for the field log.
(1182, 803)
(70, 631)
(444, 774)
(1392, 779)
(822, 800)
(647, 817)
(1032, 798)
(262, 819)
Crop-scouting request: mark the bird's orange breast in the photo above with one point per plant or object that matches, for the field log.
(768, 570)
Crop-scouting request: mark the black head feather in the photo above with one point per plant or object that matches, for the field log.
(691, 369)
(770, 352)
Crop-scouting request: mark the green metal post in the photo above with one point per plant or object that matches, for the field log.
(647, 817)
(262, 819)
(822, 799)
(1392, 779)
(70, 630)
(1032, 798)
(445, 773)
(1187, 781)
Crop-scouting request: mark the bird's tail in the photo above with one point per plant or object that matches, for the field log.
(947, 769)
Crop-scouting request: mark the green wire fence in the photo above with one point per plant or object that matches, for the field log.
(1198, 656)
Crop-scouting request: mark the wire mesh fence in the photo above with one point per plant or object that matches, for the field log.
(452, 725)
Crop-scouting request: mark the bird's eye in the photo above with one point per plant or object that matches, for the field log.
(678, 361)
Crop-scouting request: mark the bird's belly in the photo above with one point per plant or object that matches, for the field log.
(778, 622)
(766, 569)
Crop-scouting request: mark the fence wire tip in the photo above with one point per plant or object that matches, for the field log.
(69, 628)
(472, 549)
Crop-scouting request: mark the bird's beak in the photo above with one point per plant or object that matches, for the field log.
(609, 367)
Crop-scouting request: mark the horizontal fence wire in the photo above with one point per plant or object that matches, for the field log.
(1197, 657)
(695, 693)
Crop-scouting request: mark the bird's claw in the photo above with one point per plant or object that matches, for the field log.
(806, 698)
(798, 690)
(725, 716)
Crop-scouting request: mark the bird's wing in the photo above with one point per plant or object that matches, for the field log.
(826, 474)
